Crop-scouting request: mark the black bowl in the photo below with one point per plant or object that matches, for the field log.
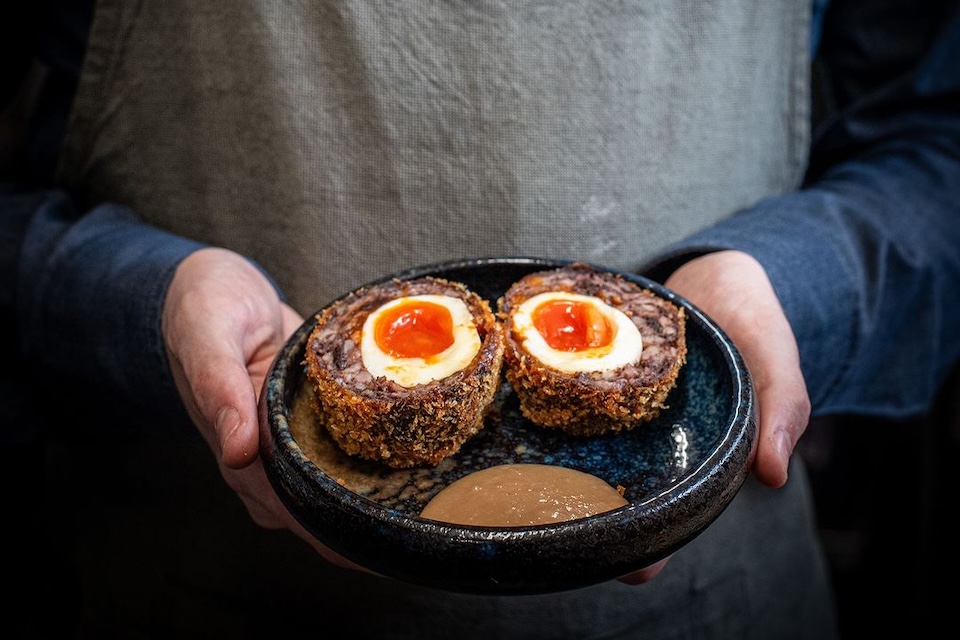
(679, 472)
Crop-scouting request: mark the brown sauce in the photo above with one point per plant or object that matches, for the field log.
(516, 495)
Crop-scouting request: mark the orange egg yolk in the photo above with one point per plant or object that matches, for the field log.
(571, 325)
(415, 329)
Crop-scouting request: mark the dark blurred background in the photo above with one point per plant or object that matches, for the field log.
(886, 495)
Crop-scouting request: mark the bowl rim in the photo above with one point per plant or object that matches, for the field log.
(503, 560)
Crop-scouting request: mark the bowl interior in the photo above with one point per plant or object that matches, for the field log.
(679, 471)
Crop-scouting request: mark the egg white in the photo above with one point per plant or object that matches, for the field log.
(625, 348)
(410, 372)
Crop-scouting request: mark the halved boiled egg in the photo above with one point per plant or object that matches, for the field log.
(576, 333)
(418, 339)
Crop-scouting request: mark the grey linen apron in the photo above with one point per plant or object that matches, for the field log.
(335, 142)
(338, 141)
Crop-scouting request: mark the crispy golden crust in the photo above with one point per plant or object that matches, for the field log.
(597, 402)
(376, 419)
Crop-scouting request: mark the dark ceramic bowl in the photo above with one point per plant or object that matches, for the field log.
(680, 471)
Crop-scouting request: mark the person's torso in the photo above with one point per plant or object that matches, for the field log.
(338, 141)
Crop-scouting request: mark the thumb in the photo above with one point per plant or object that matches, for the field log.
(215, 384)
(227, 401)
(222, 323)
(227, 378)
(233, 404)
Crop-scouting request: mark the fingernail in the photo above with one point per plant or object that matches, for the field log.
(228, 420)
(784, 451)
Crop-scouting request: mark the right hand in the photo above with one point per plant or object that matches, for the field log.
(223, 324)
(732, 288)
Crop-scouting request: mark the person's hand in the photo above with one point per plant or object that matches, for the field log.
(223, 324)
(733, 289)
(646, 574)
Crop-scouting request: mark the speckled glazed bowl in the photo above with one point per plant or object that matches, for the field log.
(679, 472)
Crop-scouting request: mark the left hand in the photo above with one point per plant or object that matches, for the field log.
(223, 324)
(733, 289)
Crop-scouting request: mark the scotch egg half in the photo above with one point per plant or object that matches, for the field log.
(414, 340)
(576, 333)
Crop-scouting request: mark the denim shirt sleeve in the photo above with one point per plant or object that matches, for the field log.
(89, 298)
(81, 291)
(866, 257)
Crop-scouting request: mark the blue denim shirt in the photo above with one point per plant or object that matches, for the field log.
(865, 257)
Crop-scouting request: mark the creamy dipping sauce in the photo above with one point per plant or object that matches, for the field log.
(517, 495)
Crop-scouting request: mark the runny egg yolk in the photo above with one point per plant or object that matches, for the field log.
(414, 329)
(576, 333)
(414, 340)
(572, 325)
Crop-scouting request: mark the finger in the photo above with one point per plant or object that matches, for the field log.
(227, 399)
(223, 325)
(268, 511)
(646, 574)
(212, 377)
(784, 414)
(770, 352)
(734, 290)
(213, 382)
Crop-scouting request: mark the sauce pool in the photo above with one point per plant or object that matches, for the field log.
(517, 495)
